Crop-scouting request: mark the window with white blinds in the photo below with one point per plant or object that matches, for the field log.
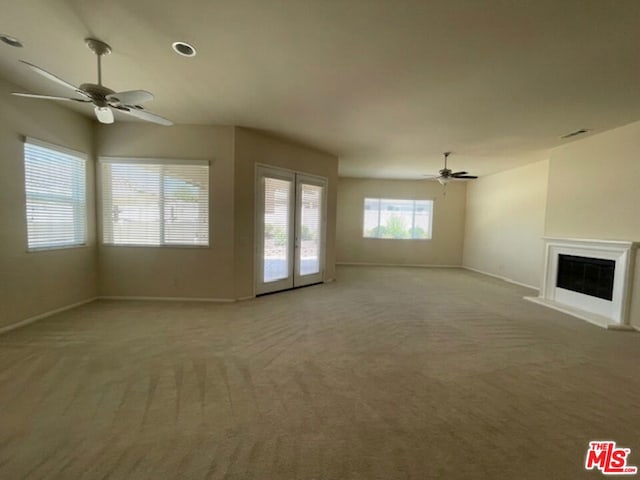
(155, 202)
(55, 186)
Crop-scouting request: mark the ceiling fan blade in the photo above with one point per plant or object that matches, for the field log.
(455, 174)
(130, 97)
(50, 97)
(148, 116)
(53, 78)
(430, 176)
(104, 114)
(465, 176)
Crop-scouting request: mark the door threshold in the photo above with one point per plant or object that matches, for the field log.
(289, 289)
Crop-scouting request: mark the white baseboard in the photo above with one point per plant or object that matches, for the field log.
(27, 321)
(168, 299)
(412, 265)
(500, 277)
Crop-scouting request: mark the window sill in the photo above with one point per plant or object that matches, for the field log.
(134, 245)
(399, 239)
(61, 247)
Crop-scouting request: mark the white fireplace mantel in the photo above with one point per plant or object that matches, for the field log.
(612, 313)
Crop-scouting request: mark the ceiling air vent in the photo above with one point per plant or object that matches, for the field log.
(573, 134)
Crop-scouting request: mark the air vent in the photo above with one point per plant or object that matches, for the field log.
(577, 132)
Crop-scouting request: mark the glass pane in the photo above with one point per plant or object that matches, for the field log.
(186, 205)
(135, 202)
(371, 211)
(396, 218)
(55, 197)
(422, 220)
(311, 229)
(277, 194)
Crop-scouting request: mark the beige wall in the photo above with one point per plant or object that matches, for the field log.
(445, 248)
(505, 223)
(170, 271)
(594, 191)
(252, 147)
(38, 282)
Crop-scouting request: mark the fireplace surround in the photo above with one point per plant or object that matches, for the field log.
(589, 279)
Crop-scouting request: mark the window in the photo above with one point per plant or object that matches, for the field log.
(155, 202)
(398, 219)
(55, 185)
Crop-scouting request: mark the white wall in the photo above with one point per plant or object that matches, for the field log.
(32, 283)
(594, 191)
(444, 248)
(505, 223)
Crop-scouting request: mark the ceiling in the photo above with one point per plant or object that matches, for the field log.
(387, 85)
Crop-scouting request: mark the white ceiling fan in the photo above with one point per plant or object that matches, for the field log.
(103, 98)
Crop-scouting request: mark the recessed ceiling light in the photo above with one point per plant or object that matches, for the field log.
(9, 40)
(184, 49)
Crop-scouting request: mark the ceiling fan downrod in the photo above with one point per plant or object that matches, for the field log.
(99, 48)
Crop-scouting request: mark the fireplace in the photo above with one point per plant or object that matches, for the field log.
(589, 279)
(590, 276)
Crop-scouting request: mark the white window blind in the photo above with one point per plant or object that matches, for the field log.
(310, 228)
(397, 219)
(155, 202)
(55, 185)
(277, 205)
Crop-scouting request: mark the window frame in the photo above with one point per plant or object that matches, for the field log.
(151, 161)
(82, 204)
(431, 201)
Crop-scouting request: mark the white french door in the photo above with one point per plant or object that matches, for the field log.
(290, 229)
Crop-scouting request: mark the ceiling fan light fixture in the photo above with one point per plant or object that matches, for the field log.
(184, 49)
(11, 41)
(443, 180)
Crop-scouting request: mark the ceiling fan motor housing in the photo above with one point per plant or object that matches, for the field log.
(97, 93)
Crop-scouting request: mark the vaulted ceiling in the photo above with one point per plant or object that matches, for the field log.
(387, 85)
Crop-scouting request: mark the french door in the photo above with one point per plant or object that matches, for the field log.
(290, 229)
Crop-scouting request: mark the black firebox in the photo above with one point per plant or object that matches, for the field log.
(590, 276)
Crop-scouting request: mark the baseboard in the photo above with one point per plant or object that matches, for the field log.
(23, 323)
(242, 299)
(412, 265)
(168, 299)
(330, 280)
(500, 277)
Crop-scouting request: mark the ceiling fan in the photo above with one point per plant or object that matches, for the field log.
(104, 99)
(447, 174)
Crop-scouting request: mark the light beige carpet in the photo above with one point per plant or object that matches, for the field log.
(386, 374)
